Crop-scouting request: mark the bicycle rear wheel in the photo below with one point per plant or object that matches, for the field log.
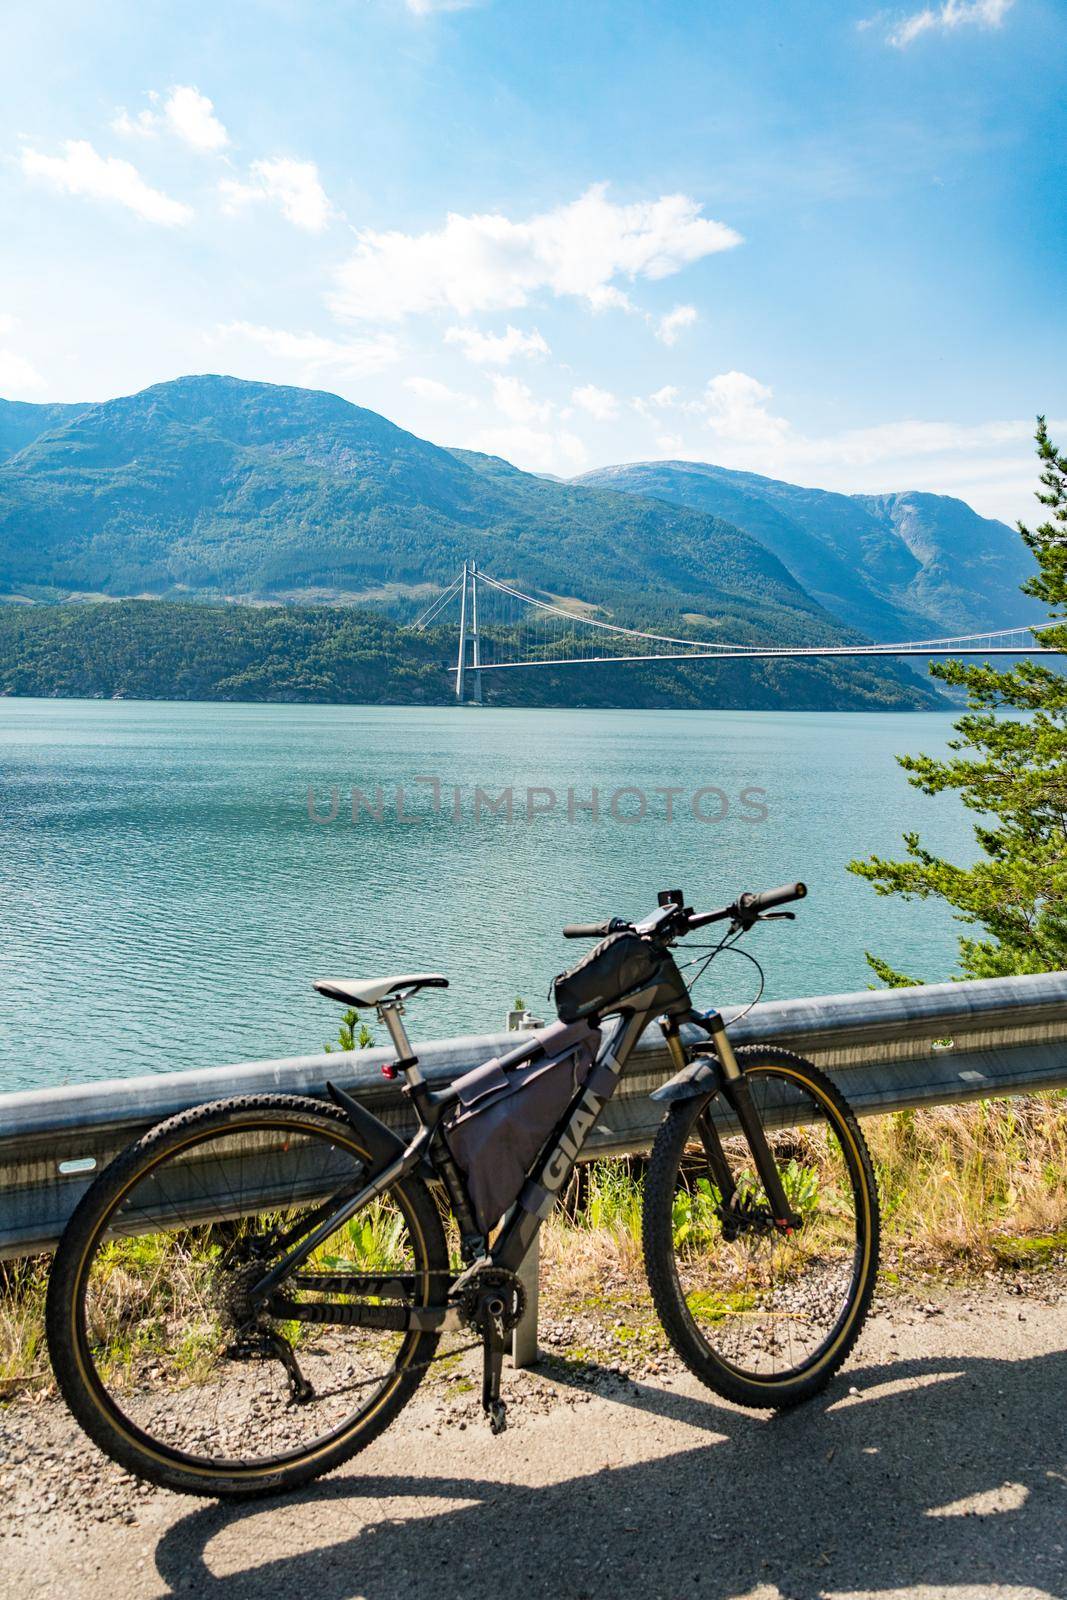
(155, 1347)
(762, 1316)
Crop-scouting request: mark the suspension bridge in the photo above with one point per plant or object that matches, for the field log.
(502, 629)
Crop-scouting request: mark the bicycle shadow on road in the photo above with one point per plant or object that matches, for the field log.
(847, 1495)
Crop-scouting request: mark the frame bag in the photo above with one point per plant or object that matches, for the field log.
(506, 1113)
(619, 965)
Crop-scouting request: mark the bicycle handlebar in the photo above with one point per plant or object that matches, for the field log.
(674, 921)
(594, 930)
(773, 897)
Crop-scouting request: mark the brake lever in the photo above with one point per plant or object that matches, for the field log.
(777, 916)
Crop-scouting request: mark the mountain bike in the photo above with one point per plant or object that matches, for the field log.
(251, 1292)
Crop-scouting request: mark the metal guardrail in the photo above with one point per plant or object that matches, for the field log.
(887, 1049)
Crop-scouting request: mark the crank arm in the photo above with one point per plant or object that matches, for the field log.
(492, 1362)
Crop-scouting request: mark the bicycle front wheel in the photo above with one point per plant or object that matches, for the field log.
(153, 1341)
(762, 1316)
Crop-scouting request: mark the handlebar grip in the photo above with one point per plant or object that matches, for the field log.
(775, 897)
(591, 930)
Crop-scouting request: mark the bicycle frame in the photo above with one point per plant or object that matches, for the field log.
(545, 1180)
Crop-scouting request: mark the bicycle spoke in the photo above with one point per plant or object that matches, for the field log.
(765, 1301)
(183, 1359)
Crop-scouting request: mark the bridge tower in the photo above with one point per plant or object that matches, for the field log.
(469, 659)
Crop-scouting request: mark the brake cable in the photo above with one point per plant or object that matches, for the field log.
(728, 944)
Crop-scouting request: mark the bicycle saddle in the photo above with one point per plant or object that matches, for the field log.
(372, 991)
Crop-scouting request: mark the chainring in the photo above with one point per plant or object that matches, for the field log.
(486, 1288)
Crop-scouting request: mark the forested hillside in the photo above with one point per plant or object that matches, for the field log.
(161, 650)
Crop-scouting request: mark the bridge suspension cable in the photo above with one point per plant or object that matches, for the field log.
(516, 631)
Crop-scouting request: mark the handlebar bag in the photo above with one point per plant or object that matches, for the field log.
(619, 965)
(509, 1107)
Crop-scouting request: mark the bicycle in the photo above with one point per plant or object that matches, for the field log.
(251, 1292)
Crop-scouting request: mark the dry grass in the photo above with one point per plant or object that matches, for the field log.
(23, 1357)
(594, 1247)
(963, 1189)
(972, 1186)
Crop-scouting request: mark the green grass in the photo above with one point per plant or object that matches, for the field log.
(963, 1189)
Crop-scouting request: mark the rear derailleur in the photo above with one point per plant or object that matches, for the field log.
(253, 1339)
(266, 1344)
(492, 1302)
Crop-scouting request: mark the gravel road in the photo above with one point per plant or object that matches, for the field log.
(935, 1466)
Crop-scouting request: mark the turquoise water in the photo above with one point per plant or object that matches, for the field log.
(166, 900)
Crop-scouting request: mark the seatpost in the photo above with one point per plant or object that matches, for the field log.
(390, 1012)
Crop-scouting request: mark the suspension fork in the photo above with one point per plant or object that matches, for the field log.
(738, 1095)
(718, 1165)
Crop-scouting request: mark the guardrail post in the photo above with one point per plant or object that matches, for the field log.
(524, 1351)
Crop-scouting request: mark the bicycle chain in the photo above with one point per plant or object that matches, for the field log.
(495, 1278)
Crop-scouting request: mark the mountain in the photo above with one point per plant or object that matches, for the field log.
(21, 423)
(221, 488)
(897, 566)
(212, 488)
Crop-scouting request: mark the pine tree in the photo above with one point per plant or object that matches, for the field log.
(1011, 770)
(348, 1038)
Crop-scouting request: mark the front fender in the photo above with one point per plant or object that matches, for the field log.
(699, 1078)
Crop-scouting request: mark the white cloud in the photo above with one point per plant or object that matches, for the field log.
(945, 18)
(314, 353)
(891, 440)
(81, 170)
(734, 407)
(426, 8)
(496, 349)
(291, 185)
(191, 116)
(487, 262)
(662, 400)
(18, 377)
(670, 325)
(439, 393)
(186, 113)
(598, 402)
(988, 464)
(515, 399)
(606, 297)
(144, 126)
(533, 449)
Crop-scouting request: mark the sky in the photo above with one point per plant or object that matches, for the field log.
(824, 242)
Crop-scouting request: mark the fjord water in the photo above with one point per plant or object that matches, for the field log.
(166, 899)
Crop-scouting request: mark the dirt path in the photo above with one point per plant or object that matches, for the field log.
(936, 1465)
